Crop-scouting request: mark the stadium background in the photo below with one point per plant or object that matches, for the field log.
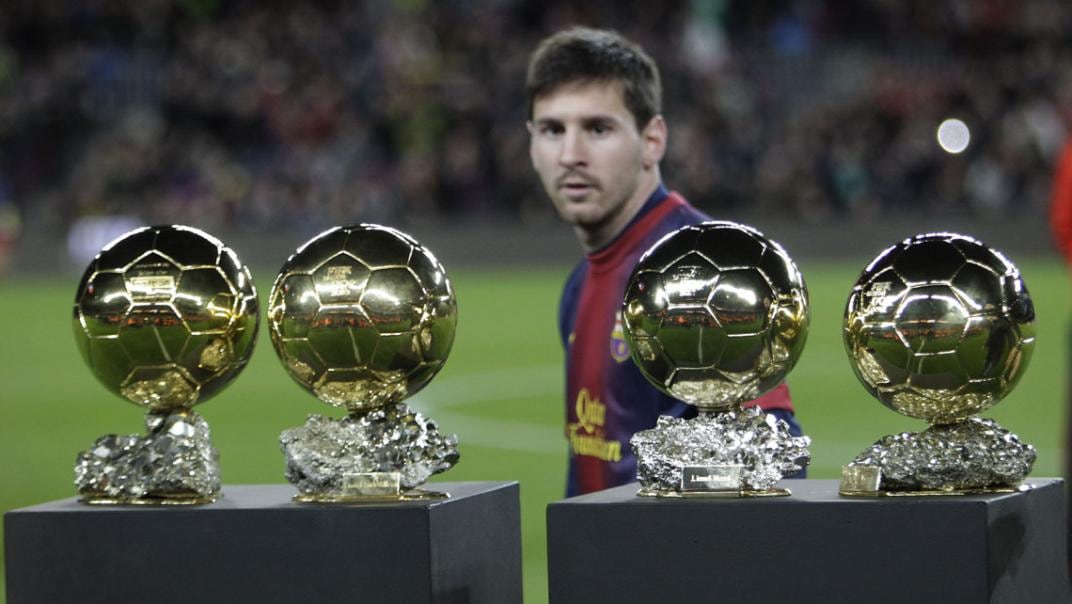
(264, 123)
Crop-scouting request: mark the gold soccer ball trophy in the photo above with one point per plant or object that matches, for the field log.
(716, 314)
(363, 317)
(165, 317)
(940, 327)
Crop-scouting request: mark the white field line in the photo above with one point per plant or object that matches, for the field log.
(503, 385)
(522, 437)
(546, 380)
(496, 385)
(503, 434)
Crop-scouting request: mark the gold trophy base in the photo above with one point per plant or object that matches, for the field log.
(410, 495)
(670, 494)
(1021, 488)
(149, 500)
(866, 481)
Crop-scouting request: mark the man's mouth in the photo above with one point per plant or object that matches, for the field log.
(574, 187)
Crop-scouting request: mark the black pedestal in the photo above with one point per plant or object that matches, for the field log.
(255, 545)
(814, 546)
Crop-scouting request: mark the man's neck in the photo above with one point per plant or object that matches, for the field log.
(597, 237)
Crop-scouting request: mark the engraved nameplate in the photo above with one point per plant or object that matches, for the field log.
(338, 281)
(860, 479)
(372, 484)
(710, 479)
(148, 287)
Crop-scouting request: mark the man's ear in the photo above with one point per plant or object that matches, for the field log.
(654, 140)
(531, 145)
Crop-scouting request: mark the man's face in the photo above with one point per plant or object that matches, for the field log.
(587, 149)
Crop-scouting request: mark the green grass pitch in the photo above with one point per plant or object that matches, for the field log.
(500, 391)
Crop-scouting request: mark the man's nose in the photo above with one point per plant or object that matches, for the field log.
(573, 148)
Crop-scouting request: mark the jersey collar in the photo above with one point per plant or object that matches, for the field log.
(633, 233)
(653, 200)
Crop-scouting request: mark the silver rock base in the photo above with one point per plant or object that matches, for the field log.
(747, 437)
(320, 454)
(974, 454)
(174, 463)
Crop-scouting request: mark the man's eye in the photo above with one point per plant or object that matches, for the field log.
(551, 130)
(599, 129)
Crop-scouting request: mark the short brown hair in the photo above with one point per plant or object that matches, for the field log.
(582, 54)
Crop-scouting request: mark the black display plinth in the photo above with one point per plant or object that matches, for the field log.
(814, 546)
(255, 545)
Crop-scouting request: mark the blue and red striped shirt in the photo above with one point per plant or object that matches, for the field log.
(607, 398)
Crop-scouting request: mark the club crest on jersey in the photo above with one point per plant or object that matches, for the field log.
(619, 349)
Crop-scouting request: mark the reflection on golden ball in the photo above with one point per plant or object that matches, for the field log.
(715, 314)
(166, 316)
(939, 327)
(362, 316)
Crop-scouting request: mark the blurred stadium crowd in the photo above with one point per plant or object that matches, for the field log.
(268, 115)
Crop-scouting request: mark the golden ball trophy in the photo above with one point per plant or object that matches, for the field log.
(363, 317)
(715, 315)
(940, 327)
(165, 317)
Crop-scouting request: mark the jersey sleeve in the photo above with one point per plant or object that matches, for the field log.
(1061, 203)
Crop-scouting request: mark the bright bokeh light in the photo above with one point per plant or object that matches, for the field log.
(953, 135)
